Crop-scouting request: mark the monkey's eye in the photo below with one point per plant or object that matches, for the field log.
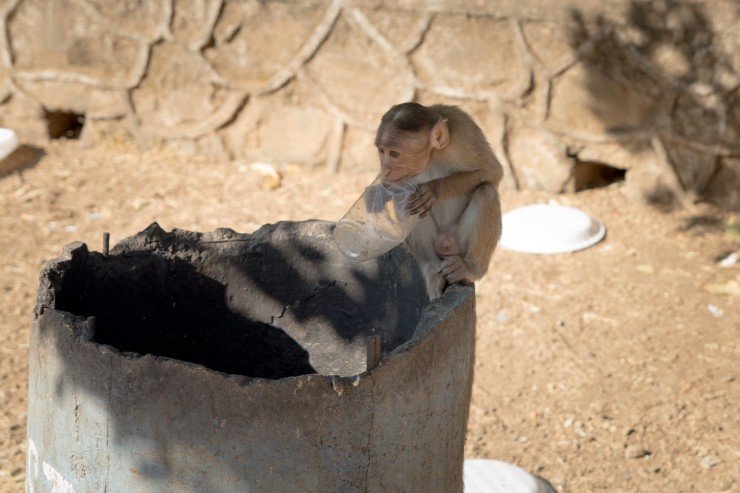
(394, 153)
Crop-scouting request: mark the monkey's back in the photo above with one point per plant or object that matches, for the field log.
(473, 148)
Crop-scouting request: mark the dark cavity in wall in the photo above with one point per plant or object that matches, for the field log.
(64, 124)
(596, 175)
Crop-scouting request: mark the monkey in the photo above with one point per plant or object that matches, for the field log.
(445, 154)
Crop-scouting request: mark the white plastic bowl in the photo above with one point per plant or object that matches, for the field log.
(549, 228)
(8, 142)
(493, 476)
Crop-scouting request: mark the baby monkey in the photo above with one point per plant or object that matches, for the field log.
(442, 150)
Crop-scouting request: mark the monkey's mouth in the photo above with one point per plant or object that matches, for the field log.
(406, 178)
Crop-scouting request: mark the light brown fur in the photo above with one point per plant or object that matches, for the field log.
(458, 201)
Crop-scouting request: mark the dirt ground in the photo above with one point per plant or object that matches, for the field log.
(611, 369)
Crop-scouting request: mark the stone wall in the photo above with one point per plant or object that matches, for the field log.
(560, 88)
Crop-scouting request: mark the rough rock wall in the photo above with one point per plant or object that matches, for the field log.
(559, 87)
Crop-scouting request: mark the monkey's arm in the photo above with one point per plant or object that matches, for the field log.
(462, 183)
(480, 226)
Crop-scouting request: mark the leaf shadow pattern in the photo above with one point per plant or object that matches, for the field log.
(662, 83)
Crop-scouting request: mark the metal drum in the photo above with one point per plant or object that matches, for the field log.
(223, 362)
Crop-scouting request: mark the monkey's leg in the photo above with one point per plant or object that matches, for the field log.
(478, 231)
(421, 243)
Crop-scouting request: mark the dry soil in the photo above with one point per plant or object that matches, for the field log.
(611, 369)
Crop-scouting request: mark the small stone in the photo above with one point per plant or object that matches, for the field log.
(93, 215)
(730, 288)
(635, 452)
(646, 269)
(271, 177)
(138, 203)
(709, 461)
(715, 310)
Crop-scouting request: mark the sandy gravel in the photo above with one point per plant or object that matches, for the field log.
(612, 369)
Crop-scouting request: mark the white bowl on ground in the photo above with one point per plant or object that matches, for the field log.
(493, 476)
(8, 142)
(550, 228)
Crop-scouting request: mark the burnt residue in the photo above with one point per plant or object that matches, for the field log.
(150, 304)
(267, 305)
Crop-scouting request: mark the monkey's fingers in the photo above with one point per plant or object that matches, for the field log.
(418, 198)
(457, 277)
(455, 271)
(423, 207)
(450, 265)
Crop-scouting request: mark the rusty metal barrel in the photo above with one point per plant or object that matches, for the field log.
(224, 362)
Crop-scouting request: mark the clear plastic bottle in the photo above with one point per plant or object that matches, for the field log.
(377, 222)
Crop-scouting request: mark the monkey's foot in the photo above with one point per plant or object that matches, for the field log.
(435, 284)
(446, 246)
(454, 270)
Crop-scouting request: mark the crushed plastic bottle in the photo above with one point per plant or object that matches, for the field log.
(377, 222)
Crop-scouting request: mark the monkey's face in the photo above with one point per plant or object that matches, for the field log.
(403, 155)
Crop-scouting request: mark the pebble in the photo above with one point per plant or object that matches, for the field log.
(635, 452)
(139, 203)
(715, 310)
(731, 288)
(708, 461)
(271, 177)
(93, 215)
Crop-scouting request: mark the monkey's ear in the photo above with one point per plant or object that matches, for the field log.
(440, 134)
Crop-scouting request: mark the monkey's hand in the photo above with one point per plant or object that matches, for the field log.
(454, 270)
(423, 200)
